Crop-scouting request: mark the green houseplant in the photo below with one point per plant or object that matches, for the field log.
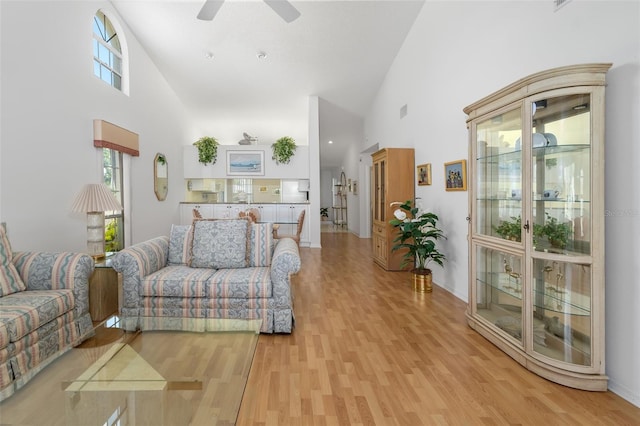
(418, 234)
(510, 229)
(207, 150)
(324, 212)
(557, 233)
(283, 149)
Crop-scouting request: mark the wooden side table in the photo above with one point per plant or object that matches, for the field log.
(103, 291)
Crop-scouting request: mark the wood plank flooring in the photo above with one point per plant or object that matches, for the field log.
(367, 350)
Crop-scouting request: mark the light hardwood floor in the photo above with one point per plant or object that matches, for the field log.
(367, 350)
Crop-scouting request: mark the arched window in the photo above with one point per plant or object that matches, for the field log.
(107, 52)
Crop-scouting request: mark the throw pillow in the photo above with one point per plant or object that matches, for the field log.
(10, 281)
(219, 243)
(261, 244)
(180, 244)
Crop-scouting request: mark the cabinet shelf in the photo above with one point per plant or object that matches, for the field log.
(553, 298)
(339, 207)
(514, 155)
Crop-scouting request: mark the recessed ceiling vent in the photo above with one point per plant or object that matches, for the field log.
(559, 3)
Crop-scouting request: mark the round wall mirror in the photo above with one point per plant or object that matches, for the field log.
(160, 176)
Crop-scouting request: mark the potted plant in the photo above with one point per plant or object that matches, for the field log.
(207, 150)
(324, 212)
(417, 234)
(510, 229)
(283, 149)
(557, 233)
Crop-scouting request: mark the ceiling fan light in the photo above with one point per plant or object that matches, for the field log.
(209, 9)
(284, 9)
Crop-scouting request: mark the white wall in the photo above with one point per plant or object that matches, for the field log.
(457, 53)
(49, 100)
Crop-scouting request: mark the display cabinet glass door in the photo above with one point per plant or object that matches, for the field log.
(500, 289)
(498, 187)
(379, 205)
(561, 157)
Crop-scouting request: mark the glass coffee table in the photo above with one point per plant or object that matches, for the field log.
(175, 371)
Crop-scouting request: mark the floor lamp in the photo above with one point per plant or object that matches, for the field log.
(95, 199)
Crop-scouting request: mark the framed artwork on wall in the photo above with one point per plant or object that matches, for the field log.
(424, 174)
(455, 175)
(245, 163)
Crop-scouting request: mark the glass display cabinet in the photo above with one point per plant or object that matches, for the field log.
(537, 223)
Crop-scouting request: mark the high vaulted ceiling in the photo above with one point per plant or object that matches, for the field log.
(337, 50)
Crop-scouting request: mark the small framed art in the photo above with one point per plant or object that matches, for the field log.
(455, 175)
(424, 174)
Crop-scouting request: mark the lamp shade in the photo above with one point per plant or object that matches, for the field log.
(96, 197)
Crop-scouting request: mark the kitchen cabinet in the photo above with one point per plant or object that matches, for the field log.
(268, 212)
(227, 211)
(287, 218)
(186, 212)
(536, 225)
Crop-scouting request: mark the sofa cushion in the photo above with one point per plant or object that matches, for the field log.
(180, 244)
(4, 334)
(24, 312)
(261, 244)
(177, 307)
(10, 281)
(176, 281)
(246, 283)
(220, 243)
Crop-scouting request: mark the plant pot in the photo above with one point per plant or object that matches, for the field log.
(421, 280)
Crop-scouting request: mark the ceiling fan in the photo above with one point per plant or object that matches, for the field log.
(281, 7)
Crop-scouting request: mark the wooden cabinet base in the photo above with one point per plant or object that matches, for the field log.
(103, 293)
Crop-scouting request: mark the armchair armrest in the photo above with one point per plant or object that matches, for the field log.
(53, 271)
(136, 262)
(285, 261)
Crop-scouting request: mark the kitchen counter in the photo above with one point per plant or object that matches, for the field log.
(241, 204)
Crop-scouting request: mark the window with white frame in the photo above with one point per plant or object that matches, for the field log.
(107, 52)
(113, 175)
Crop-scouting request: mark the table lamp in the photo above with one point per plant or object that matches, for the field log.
(95, 199)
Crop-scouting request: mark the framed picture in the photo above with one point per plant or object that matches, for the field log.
(424, 174)
(245, 163)
(455, 175)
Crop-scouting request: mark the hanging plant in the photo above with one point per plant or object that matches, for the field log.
(207, 150)
(283, 150)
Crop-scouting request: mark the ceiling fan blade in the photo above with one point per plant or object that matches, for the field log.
(284, 9)
(209, 9)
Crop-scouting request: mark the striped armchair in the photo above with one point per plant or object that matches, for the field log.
(44, 310)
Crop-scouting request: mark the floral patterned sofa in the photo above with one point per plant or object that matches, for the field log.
(228, 269)
(44, 309)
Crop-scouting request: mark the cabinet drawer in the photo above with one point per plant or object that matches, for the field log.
(380, 230)
(380, 249)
